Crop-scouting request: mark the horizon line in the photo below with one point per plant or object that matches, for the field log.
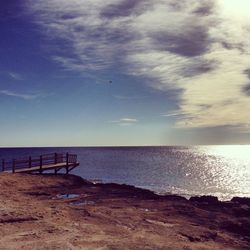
(120, 146)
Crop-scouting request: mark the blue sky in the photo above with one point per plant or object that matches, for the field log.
(123, 72)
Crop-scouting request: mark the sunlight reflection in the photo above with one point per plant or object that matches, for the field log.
(241, 152)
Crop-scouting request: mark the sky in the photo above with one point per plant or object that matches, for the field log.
(124, 72)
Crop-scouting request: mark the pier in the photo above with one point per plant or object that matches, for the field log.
(39, 164)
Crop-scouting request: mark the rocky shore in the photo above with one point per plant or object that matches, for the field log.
(67, 212)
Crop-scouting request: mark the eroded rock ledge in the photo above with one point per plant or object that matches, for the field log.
(67, 212)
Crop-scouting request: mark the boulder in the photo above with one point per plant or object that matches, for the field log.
(205, 198)
(241, 200)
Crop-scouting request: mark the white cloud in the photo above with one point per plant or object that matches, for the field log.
(21, 95)
(125, 121)
(173, 114)
(15, 76)
(128, 120)
(200, 48)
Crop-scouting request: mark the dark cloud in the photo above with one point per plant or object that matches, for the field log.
(108, 36)
(177, 5)
(205, 106)
(246, 89)
(230, 46)
(194, 42)
(229, 102)
(124, 8)
(118, 36)
(206, 66)
(206, 8)
(247, 72)
(68, 16)
(202, 67)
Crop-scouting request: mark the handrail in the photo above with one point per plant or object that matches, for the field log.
(38, 161)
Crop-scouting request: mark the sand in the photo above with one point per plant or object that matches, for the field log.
(33, 215)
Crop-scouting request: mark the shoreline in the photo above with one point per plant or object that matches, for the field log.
(159, 193)
(36, 213)
(162, 194)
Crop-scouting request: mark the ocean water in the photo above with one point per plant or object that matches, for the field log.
(223, 171)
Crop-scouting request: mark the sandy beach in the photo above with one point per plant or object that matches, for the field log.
(35, 213)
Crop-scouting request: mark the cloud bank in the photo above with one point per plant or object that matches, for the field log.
(199, 48)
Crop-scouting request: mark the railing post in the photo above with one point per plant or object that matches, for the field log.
(41, 163)
(67, 159)
(30, 162)
(67, 163)
(55, 158)
(3, 165)
(13, 166)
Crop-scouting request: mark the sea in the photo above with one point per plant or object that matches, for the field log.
(222, 171)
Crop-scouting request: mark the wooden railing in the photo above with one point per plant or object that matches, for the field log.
(38, 161)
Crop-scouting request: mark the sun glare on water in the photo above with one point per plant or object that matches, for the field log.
(241, 152)
(226, 170)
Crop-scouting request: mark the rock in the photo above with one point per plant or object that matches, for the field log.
(204, 236)
(37, 193)
(174, 198)
(240, 227)
(226, 204)
(17, 219)
(204, 198)
(243, 211)
(241, 200)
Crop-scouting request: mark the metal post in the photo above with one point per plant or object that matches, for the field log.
(55, 158)
(67, 159)
(67, 163)
(3, 165)
(30, 162)
(13, 166)
(41, 163)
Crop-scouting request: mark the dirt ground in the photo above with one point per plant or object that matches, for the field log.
(34, 214)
